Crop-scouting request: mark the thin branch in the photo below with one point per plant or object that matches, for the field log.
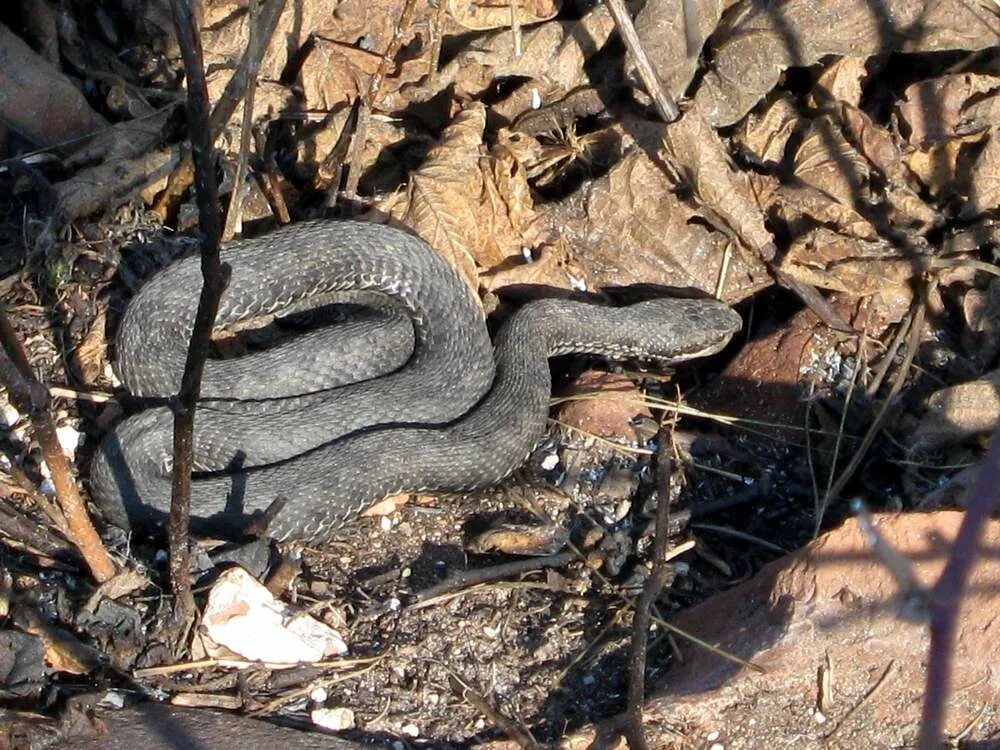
(665, 104)
(207, 193)
(651, 590)
(946, 596)
(32, 398)
(262, 29)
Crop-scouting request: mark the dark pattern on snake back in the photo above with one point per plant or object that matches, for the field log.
(458, 416)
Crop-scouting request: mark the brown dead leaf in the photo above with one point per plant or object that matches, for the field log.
(842, 81)
(723, 191)
(482, 15)
(89, 357)
(826, 161)
(554, 58)
(753, 44)
(550, 265)
(664, 26)
(939, 167)
(441, 200)
(984, 184)
(635, 229)
(861, 268)
(795, 201)
(476, 210)
(765, 133)
(940, 108)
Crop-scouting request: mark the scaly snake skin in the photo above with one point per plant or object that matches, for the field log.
(462, 414)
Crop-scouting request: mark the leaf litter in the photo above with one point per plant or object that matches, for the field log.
(825, 152)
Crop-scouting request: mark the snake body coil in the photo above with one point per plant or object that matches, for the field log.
(294, 425)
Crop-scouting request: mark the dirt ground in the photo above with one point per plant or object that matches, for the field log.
(835, 181)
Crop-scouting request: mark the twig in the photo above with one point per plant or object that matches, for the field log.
(255, 50)
(946, 596)
(664, 102)
(32, 397)
(514, 732)
(654, 585)
(207, 193)
(466, 578)
(911, 349)
(261, 31)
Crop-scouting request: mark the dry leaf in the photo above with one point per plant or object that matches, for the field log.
(554, 58)
(636, 230)
(751, 46)
(826, 161)
(842, 81)
(88, 358)
(984, 186)
(442, 196)
(765, 134)
(697, 149)
(938, 166)
(482, 15)
(664, 27)
(860, 268)
(939, 109)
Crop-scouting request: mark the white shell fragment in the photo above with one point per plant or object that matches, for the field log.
(243, 617)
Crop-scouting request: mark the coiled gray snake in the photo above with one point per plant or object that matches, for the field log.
(410, 396)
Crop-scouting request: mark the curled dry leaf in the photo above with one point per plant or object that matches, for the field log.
(726, 194)
(482, 15)
(477, 211)
(829, 260)
(89, 357)
(842, 81)
(554, 57)
(764, 134)
(442, 195)
(948, 106)
(942, 166)
(635, 230)
(826, 161)
(753, 44)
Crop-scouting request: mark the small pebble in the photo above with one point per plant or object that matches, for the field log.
(550, 462)
(820, 717)
(717, 746)
(336, 719)
(712, 736)
(410, 730)
(318, 695)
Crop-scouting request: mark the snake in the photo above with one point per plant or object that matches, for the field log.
(409, 395)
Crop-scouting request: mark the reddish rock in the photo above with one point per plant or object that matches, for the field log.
(610, 414)
(831, 603)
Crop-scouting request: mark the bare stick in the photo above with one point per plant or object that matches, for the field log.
(654, 585)
(262, 29)
(32, 397)
(664, 102)
(946, 596)
(207, 193)
(234, 217)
